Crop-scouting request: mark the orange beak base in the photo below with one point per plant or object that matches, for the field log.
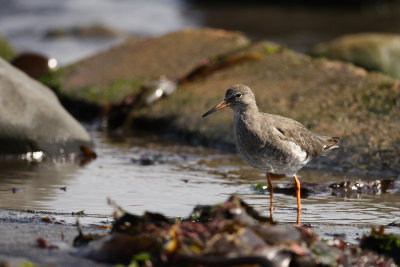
(221, 105)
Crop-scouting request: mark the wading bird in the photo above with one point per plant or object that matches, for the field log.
(277, 145)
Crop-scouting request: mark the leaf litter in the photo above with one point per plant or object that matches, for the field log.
(228, 234)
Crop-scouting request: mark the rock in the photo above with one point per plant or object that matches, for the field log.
(32, 118)
(373, 51)
(33, 64)
(92, 31)
(113, 74)
(6, 51)
(329, 97)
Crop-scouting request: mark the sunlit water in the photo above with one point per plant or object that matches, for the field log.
(184, 177)
(26, 23)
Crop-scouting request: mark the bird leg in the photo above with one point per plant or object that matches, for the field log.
(271, 195)
(297, 186)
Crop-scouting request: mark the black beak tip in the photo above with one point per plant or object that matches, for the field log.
(221, 105)
(208, 112)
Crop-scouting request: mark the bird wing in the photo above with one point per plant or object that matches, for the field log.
(288, 130)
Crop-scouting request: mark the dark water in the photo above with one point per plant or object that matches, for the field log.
(26, 23)
(299, 27)
(182, 177)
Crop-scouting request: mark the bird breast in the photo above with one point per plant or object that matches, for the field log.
(248, 138)
(263, 149)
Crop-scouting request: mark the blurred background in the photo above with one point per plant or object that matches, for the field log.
(72, 29)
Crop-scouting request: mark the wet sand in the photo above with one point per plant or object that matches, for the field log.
(20, 231)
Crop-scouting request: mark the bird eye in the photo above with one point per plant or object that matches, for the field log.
(238, 95)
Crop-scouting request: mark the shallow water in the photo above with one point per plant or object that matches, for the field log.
(182, 177)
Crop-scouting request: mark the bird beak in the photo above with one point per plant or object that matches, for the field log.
(221, 105)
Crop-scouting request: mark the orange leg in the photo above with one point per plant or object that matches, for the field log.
(297, 185)
(271, 195)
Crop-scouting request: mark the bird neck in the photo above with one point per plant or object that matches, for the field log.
(249, 110)
(248, 116)
(247, 128)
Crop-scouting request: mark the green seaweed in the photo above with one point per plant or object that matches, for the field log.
(140, 259)
(79, 213)
(53, 79)
(387, 244)
(259, 188)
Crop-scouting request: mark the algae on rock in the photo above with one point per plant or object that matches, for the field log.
(6, 51)
(373, 51)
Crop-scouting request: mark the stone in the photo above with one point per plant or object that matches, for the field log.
(328, 97)
(95, 31)
(373, 51)
(33, 64)
(111, 75)
(32, 119)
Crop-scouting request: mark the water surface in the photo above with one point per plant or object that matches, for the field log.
(182, 177)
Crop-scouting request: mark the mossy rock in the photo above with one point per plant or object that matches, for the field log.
(6, 51)
(113, 74)
(373, 51)
(329, 97)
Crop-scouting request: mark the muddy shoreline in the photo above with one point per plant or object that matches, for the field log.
(21, 230)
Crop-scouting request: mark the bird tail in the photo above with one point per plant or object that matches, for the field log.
(331, 143)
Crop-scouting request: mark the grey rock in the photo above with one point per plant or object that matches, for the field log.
(373, 51)
(32, 118)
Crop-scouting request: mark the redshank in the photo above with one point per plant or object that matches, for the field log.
(277, 145)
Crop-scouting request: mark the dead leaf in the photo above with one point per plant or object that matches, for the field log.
(46, 219)
(43, 243)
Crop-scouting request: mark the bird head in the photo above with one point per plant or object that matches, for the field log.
(238, 97)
